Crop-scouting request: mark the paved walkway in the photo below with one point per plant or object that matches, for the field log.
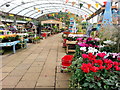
(38, 66)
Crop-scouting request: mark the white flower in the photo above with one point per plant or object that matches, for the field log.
(101, 46)
(97, 39)
(92, 50)
(83, 48)
(109, 42)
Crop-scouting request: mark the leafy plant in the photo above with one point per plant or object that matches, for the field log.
(95, 72)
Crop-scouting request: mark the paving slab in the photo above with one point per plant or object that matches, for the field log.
(26, 84)
(30, 77)
(36, 67)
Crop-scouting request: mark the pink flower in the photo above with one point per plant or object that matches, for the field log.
(89, 39)
(90, 45)
(79, 39)
(81, 44)
(86, 45)
(84, 40)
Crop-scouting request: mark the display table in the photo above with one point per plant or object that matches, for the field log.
(8, 44)
(68, 44)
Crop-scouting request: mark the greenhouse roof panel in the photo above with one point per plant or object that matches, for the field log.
(32, 8)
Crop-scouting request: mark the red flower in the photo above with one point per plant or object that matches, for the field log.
(109, 66)
(117, 68)
(67, 58)
(44, 35)
(90, 58)
(86, 67)
(90, 54)
(101, 67)
(64, 40)
(115, 63)
(118, 58)
(100, 62)
(101, 55)
(84, 56)
(94, 69)
(107, 61)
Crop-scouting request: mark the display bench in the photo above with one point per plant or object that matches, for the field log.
(70, 44)
(8, 44)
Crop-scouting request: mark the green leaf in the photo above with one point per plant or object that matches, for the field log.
(85, 85)
(99, 84)
(91, 85)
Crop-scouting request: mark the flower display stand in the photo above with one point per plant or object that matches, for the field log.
(69, 44)
(9, 44)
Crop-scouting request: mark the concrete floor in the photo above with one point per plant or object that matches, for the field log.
(38, 66)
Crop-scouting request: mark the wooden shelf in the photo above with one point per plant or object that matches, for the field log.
(71, 42)
(71, 50)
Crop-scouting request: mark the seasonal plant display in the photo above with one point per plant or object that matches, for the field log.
(44, 35)
(95, 72)
(36, 39)
(10, 38)
(94, 67)
(71, 38)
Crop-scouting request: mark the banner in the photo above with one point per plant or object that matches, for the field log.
(38, 10)
(105, 3)
(73, 3)
(89, 5)
(97, 5)
(67, 1)
(81, 5)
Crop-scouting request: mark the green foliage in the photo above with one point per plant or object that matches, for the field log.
(71, 38)
(102, 80)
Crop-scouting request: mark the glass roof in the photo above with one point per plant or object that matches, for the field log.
(28, 7)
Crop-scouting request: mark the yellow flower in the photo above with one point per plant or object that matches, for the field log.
(2, 36)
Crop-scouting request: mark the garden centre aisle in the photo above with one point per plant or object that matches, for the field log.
(38, 66)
